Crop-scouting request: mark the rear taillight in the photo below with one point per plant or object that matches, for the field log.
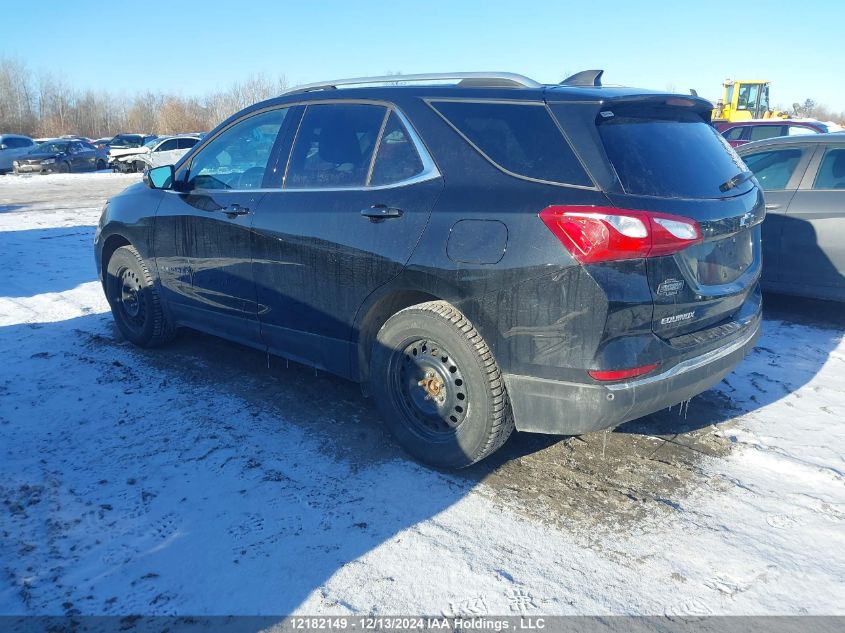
(601, 234)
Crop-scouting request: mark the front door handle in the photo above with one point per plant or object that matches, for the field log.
(234, 210)
(772, 207)
(381, 212)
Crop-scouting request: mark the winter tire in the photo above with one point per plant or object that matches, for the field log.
(134, 300)
(438, 386)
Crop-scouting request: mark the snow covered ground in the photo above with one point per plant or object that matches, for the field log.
(196, 480)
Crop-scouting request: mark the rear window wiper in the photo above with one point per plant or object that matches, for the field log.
(736, 181)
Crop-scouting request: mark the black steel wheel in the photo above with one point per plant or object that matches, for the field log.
(130, 299)
(430, 386)
(438, 387)
(134, 301)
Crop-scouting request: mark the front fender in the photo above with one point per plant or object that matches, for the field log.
(130, 215)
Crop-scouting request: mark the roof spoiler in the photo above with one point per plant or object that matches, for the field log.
(584, 78)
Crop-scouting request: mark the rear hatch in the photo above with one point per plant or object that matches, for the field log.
(659, 154)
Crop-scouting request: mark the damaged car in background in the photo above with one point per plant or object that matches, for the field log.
(124, 144)
(155, 153)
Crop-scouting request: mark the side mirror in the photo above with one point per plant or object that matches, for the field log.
(159, 177)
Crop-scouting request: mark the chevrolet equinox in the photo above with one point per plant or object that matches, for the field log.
(481, 251)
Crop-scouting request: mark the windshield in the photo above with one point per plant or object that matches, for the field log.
(49, 148)
(151, 143)
(129, 140)
(669, 153)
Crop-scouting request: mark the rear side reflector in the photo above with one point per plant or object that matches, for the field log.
(621, 374)
(601, 234)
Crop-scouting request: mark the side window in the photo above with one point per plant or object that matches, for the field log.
(237, 158)
(168, 146)
(733, 134)
(518, 138)
(186, 143)
(334, 146)
(759, 132)
(800, 130)
(75, 148)
(831, 174)
(397, 158)
(773, 169)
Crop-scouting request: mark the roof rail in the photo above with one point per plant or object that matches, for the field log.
(475, 79)
(584, 78)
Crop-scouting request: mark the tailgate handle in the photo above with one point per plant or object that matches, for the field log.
(381, 212)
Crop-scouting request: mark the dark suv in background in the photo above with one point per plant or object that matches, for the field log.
(489, 254)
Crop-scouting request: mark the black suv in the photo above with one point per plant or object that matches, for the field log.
(483, 255)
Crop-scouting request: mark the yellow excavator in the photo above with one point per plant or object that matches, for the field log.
(743, 100)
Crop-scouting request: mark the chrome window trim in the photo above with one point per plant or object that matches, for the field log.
(431, 101)
(430, 170)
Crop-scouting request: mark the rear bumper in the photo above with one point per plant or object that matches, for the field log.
(567, 408)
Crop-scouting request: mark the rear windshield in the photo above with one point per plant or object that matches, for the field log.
(520, 138)
(668, 152)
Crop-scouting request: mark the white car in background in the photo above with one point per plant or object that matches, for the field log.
(13, 146)
(165, 150)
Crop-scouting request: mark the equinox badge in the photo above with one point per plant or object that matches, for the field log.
(686, 316)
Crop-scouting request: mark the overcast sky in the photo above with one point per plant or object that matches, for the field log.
(191, 48)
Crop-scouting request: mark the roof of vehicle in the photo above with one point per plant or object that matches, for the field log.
(833, 137)
(584, 87)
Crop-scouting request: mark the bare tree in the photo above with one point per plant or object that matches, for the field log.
(17, 104)
(44, 104)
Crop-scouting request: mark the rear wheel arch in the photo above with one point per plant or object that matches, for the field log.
(373, 316)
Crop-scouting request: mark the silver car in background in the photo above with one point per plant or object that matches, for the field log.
(803, 178)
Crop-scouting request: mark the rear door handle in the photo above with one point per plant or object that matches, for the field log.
(381, 212)
(234, 210)
(772, 207)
